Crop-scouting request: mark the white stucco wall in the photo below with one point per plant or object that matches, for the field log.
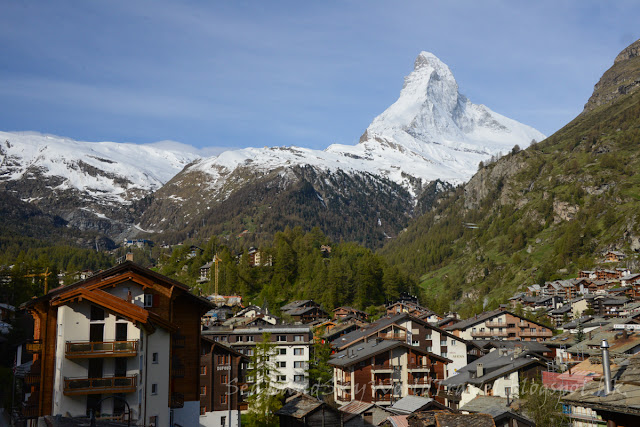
(156, 373)
(73, 325)
(188, 415)
(214, 419)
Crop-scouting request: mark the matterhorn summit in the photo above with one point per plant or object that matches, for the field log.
(434, 132)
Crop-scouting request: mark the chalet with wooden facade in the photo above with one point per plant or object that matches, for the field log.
(304, 311)
(345, 311)
(501, 325)
(417, 333)
(222, 384)
(384, 371)
(127, 337)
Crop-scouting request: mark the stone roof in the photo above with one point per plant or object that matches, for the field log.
(625, 397)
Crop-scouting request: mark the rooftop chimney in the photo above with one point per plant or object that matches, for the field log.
(479, 370)
(606, 367)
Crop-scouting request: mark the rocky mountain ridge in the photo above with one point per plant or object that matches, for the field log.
(429, 140)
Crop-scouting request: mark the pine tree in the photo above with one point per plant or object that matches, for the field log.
(264, 400)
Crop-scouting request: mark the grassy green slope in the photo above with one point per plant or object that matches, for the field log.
(539, 214)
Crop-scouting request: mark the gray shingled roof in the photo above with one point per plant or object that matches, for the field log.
(365, 350)
(626, 395)
(410, 404)
(495, 365)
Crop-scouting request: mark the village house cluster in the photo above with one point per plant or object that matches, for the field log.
(130, 344)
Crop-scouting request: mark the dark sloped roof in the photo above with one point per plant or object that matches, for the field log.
(301, 406)
(368, 349)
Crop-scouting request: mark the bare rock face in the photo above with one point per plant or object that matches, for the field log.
(489, 178)
(621, 79)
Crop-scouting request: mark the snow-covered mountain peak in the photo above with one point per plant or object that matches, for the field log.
(431, 110)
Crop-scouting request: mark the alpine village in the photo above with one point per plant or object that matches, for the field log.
(247, 293)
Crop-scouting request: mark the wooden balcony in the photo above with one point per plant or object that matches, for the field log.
(81, 386)
(495, 324)
(382, 398)
(382, 368)
(28, 411)
(93, 349)
(343, 383)
(420, 382)
(536, 334)
(177, 400)
(32, 379)
(34, 346)
(418, 368)
(489, 334)
(393, 336)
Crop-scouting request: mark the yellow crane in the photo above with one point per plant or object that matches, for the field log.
(46, 275)
(216, 260)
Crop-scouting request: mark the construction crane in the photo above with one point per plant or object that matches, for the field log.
(46, 275)
(216, 260)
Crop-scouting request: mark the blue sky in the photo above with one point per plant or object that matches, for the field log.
(256, 73)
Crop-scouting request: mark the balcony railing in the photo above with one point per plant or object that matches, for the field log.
(393, 336)
(420, 382)
(489, 334)
(179, 340)
(177, 400)
(343, 383)
(418, 367)
(382, 368)
(28, 410)
(495, 324)
(31, 379)
(379, 398)
(90, 349)
(344, 398)
(34, 346)
(536, 334)
(73, 386)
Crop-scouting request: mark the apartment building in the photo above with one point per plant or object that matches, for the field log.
(384, 371)
(417, 333)
(124, 341)
(293, 345)
(222, 385)
(501, 325)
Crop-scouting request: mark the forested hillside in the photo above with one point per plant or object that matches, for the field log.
(534, 215)
(349, 275)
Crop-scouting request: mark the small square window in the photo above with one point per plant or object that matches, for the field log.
(154, 358)
(282, 338)
(203, 370)
(250, 338)
(203, 390)
(282, 378)
(203, 410)
(148, 300)
(154, 388)
(298, 365)
(298, 378)
(223, 399)
(282, 351)
(282, 364)
(298, 352)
